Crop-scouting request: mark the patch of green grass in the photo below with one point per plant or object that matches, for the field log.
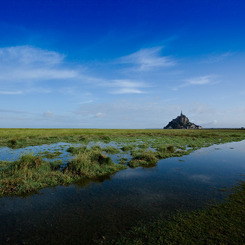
(171, 148)
(29, 137)
(96, 148)
(50, 155)
(128, 147)
(3, 163)
(92, 163)
(144, 159)
(55, 165)
(111, 150)
(12, 143)
(163, 149)
(143, 146)
(166, 151)
(75, 150)
(83, 138)
(123, 160)
(136, 152)
(219, 224)
(30, 173)
(105, 138)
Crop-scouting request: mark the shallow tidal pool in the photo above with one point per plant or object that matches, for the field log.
(89, 210)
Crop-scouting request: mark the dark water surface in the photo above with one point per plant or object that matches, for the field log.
(79, 213)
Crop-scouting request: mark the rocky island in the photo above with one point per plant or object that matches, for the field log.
(182, 122)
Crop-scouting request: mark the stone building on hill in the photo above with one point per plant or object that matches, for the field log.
(181, 122)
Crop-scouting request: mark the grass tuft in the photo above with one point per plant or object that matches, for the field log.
(123, 160)
(111, 150)
(12, 143)
(75, 150)
(128, 147)
(92, 163)
(50, 155)
(30, 173)
(144, 159)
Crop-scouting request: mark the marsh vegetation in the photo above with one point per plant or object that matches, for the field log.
(19, 138)
(92, 152)
(31, 173)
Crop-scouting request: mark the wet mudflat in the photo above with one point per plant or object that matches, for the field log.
(86, 211)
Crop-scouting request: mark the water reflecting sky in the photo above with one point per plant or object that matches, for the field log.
(88, 210)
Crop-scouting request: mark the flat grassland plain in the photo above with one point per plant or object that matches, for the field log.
(30, 173)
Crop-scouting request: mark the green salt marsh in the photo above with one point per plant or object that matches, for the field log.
(122, 187)
(85, 149)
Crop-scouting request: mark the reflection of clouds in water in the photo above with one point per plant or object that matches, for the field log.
(152, 198)
(131, 173)
(237, 146)
(157, 196)
(201, 177)
(135, 173)
(205, 151)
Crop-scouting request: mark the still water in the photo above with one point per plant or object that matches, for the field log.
(80, 213)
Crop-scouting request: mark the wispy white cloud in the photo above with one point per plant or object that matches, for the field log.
(39, 74)
(38, 90)
(202, 80)
(127, 91)
(148, 59)
(27, 67)
(26, 55)
(26, 63)
(86, 102)
(199, 80)
(48, 114)
(10, 92)
(26, 91)
(127, 83)
(125, 86)
(14, 111)
(100, 114)
(215, 58)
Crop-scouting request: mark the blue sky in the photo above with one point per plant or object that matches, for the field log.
(121, 64)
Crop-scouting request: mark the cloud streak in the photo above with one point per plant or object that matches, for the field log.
(10, 92)
(26, 63)
(215, 58)
(197, 81)
(48, 114)
(127, 91)
(125, 86)
(148, 59)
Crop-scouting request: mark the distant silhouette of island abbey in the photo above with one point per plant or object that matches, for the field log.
(181, 122)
